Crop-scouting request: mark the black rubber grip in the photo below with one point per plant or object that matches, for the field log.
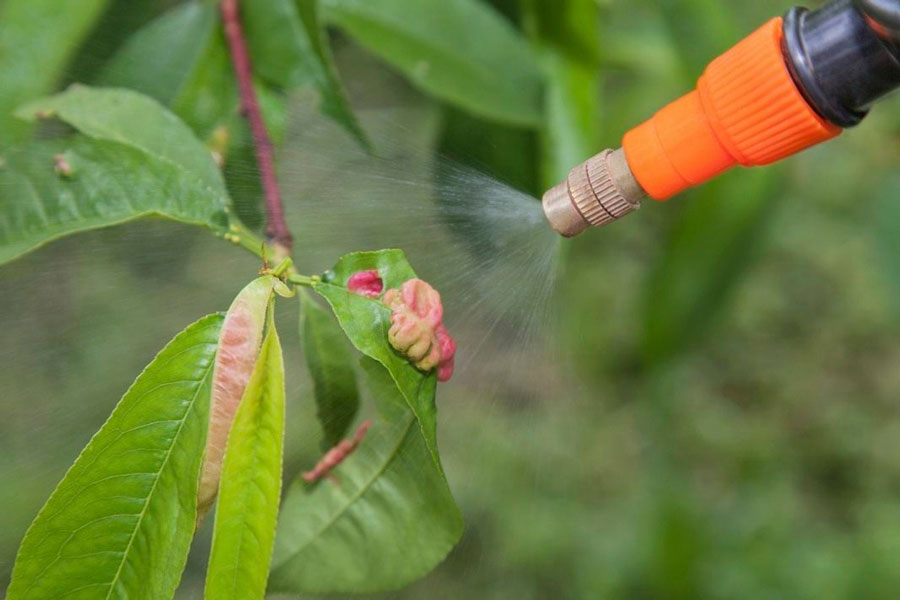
(842, 57)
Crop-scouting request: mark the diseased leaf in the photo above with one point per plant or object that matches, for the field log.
(366, 322)
(288, 50)
(461, 51)
(392, 517)
(329, 361)
(247, 508)
(120, 523)
(180, 59)
(239, 347)
(135, 160)
(37, 38)
(389, 520)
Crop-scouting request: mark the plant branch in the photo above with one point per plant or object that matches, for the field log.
(303, 280)
(276, 228)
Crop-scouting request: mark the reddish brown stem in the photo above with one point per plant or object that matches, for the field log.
(276, 228)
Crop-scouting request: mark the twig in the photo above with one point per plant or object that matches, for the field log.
(276, 228)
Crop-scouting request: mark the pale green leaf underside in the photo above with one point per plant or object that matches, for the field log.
(390, 520)
(120, 523)
(250, 487)
(329, 361)
(461, 51)
(366, 322)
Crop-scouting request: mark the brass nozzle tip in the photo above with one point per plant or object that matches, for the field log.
(596, 192)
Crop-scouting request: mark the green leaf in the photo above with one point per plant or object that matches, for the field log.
(289, 51)
(572, 116)
(37, 38)
(249, 492)
(461, 51)
(134, 120)
(566, 34)
(136, 160)
(329, 361)
(180, 59)
(366, 322)
(120, 523)
(707, 251)
(389, 521)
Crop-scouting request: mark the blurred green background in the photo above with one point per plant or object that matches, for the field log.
(714, 411)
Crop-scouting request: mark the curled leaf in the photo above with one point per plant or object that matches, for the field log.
(336, 455)
(251, 483)
(448, 353)
(239, 346)
(417, 330)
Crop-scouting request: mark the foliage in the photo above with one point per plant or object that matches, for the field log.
(732, 426)
(459, 50)
(390, 520)
(251, 474)
(328, 359)
(247, 507)
(132, 490)
(36, 40)
(328, 535)
(135, 160)
(127, 156)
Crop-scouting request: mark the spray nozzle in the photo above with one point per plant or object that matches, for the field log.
(790, 84)
(596, 192)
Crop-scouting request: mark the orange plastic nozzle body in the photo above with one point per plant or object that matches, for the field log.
(745, 110)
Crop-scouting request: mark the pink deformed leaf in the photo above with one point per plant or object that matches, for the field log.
(366, 283)
(336, 455)
(418, 296)
(417, 330)
(448, 353)
(239, 345)
(414, 337)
